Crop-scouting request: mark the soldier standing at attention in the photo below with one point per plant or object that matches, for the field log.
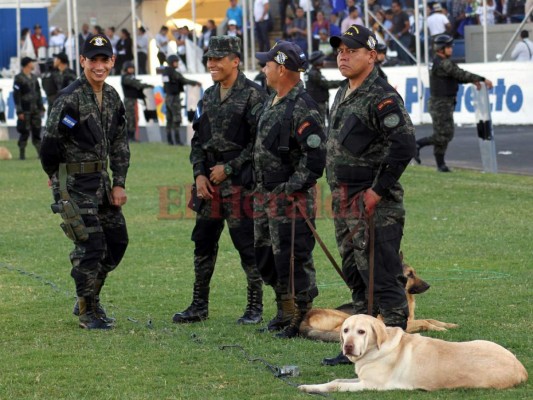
(133, 90)
(221, 153)
(289, 156)
(86, 132)
(444, 79)
(173, 83)
(370, 143)
(317, 85)
(29, 106)
(60, 77)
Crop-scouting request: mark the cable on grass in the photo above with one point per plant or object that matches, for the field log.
(282, 373)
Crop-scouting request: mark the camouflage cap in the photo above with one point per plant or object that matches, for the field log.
(222, 46)
(355, 37)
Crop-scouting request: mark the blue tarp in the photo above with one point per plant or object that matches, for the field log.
(8, 29)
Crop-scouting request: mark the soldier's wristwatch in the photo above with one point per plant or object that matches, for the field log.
(228, 170)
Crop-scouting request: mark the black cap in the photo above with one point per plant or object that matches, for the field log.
(316, 57)
(26, 60)
(96, 45)
(36, 26)
(356, 37)
(62, 57)
(285, 53)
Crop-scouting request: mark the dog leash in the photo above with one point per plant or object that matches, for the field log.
(371, 228)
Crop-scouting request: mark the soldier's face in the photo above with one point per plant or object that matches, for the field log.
(272, 72)
(97, 68)
(354, 63)
(222, 69)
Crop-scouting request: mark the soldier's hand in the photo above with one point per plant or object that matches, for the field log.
(217, 174)
(489, 84)
(118, 196)
(204, 189)
(21, 116)
(371, 199)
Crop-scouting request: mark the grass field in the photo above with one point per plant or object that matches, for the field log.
(468, 234)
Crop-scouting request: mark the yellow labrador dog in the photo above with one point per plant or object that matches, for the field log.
(389, 358)
(5, 154)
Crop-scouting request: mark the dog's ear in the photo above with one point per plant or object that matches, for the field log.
(380, 332)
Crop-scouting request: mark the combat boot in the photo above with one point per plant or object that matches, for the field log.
(88, 317)
(22, 153)
(254, 309)
(286, 309)
(294, 326)
(169, 138)
(177, 139)
(441, 165)
(99, 309)
(198, 310)
(419, 144)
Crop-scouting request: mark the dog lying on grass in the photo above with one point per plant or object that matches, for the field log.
(325, 324)
(5, 154)
(388, 358)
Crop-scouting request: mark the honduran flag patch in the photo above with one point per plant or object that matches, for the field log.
(69, 121)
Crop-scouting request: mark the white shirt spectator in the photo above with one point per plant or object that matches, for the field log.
(142, 43)
(437, 23)
(161, 42)
(348, 21)
(491, 19)
(259, 9)
(523, 51)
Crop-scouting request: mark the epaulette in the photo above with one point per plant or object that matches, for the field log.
(254, 85)
(387, 86)
(70, 88)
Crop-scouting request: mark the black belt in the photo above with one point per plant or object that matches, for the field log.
(86, 167)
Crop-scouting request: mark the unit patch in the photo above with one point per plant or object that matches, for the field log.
(391, 120)
(313, 141)
(69, 121)
(302, 127)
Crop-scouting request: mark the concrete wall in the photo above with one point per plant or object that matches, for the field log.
(497, 38)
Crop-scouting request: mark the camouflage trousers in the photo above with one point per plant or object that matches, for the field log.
(100, 254)
(273, 215)
(231, 204)
(30, 125)
(173, 107)
(352, 236)
(131, 116)
(441, 111)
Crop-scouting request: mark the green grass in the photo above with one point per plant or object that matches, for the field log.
(468, 234)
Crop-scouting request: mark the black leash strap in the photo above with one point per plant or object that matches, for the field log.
(371, 228)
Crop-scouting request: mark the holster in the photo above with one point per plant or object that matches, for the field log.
(72, 224)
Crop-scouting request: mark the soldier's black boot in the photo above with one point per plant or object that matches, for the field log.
(177, 139)
(419, 144)
(441, 165)
(293, 329)
(198, 310)
(22, 153)
(89, 319)
(286, 307)
(169, 138)
(99, 309)
(254, 309)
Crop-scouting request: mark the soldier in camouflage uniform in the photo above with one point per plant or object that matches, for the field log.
(317, 85)
(86, 131)
(444, 79)
(289, 157)
(173, 83)
(29, 106)
(59, 78)
(370, 143)
(224, 130)
(133, 90)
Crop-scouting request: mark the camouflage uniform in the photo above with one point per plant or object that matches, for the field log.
(284, 178)
(318, 88)
(29, 102)
(173, 82)
(370, 143)
(87, 139)
(133, 90)
(59, 80)
(444, 78)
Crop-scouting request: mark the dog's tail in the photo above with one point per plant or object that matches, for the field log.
(309, 332)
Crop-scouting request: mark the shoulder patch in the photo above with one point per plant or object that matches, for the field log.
(69, 121)
(313, 141)
(392, 120)
(386, 103)
(303, 127)
(16, 87)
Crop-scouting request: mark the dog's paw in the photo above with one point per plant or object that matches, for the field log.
(307, 388)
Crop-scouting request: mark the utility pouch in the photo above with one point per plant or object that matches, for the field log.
(72, 224)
